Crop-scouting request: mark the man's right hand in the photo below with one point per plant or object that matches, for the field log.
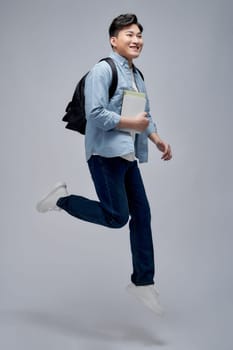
(138, 123)
(141, 121)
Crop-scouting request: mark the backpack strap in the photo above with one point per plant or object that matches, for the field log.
(114, 82)
(136, 69)
(113, 86)
(140, 73)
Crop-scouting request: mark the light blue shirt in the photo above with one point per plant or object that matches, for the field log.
(102, 136)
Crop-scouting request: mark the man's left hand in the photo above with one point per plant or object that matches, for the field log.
(165, 148)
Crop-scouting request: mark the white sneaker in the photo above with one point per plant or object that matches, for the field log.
(148, 295)
(49, 202)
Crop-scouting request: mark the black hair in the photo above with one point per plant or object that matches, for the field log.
(123, 21)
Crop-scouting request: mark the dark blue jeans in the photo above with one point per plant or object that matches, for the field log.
(121, 194)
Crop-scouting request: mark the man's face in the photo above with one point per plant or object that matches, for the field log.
(128, 43)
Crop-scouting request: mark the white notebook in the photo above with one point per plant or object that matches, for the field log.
(133, 103)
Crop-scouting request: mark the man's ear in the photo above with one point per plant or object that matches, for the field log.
(113, 41)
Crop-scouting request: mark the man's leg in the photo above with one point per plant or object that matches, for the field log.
(140, 228)
(142, 277)
(112, 208)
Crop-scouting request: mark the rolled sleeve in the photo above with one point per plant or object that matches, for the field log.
(151, 127)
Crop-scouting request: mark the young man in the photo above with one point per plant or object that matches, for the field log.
(112, 155)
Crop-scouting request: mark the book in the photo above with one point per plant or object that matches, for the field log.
(133, 103)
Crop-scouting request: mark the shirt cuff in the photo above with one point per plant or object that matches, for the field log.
(151, 129)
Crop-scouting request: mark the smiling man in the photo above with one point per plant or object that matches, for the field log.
(114, 145)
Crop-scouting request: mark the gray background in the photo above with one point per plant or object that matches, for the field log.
(62, 281)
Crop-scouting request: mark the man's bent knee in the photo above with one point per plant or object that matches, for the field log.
(118, 221)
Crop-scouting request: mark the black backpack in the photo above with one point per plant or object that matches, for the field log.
(75, 116)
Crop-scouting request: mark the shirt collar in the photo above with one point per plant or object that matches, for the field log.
(120, 59)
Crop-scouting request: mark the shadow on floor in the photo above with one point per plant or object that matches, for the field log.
(68, 325)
